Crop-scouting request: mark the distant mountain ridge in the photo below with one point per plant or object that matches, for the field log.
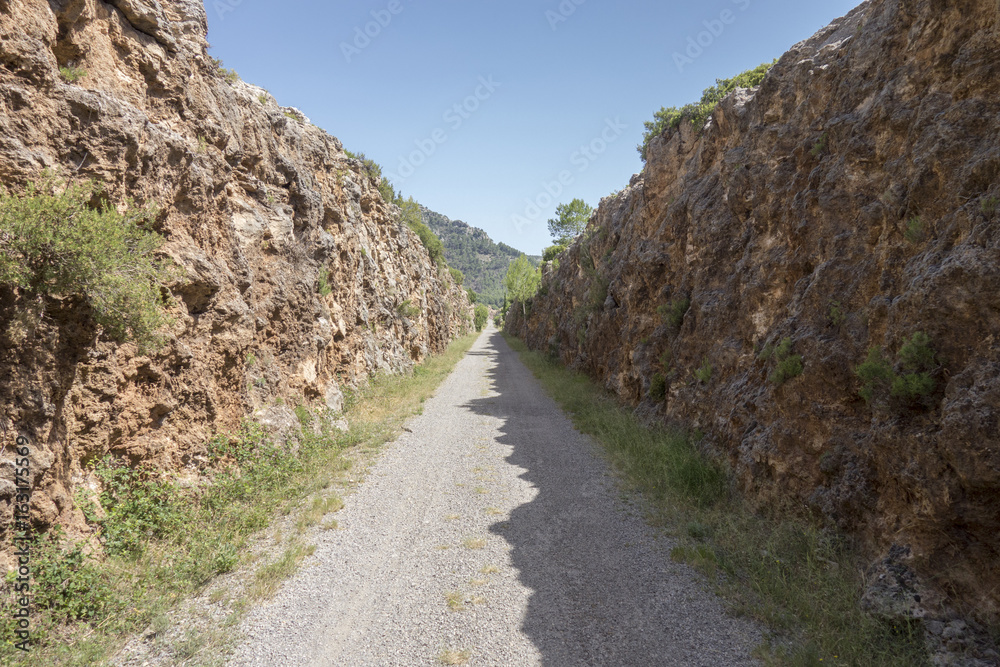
(469, 249)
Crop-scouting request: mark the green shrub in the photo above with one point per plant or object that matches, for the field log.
(61, 244)
(699, 112)
(457, 276)
(990, 205)
(673, 313)
(229, 75)
(598, 291)
(836, 314)
(323, 283)
(820, 146)
(658, 387)
(789, 365)
(72, 74)
(473, 297)
(918, 363)
(704, 372)
(139, 506)
(410, 213)
(915, 230)
(482, 313)
(408, 310)
(550, 253)
(875, 373)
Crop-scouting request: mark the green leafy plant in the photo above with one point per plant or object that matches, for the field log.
(704, 373)
(550, 253)
(72, 74)
(820, 146)
(915, 230)
(229, 75)
(473, 297)
(789, 365)
(408, 310)
(836, 314)
(990, 205)
(54, 241)
(457, 276)
(698, 113)
(263, 98)
(481, 315)
(323, 283)
(673, 313)
(917, 362)
(202, 144)
(658, 387)
(875, 373)
(139, 506)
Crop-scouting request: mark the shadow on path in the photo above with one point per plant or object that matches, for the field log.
(604, 590)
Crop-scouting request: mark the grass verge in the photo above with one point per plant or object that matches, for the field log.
(162, 544)
(798, 580)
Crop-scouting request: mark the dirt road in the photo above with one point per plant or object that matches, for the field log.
(493, 533)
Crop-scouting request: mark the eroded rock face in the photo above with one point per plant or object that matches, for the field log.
(255, 204)
(792, 216)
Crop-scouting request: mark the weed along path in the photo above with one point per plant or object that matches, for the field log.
(492, 533)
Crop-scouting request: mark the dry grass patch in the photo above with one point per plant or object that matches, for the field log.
(319, 508)
(453, 656)
(482, 490)
(452, 517)
(270, 577)
(474, 543)
(493, 511)
(489, 569)
(455, 600)
(477, 582)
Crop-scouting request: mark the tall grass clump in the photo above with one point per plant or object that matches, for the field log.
(797, 578)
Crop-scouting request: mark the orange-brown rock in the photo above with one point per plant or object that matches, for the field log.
(852, 200)
(255, 203)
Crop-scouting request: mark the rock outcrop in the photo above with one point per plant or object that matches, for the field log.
(294, 275)
(849, 202)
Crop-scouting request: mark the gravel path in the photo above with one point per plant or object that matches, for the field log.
(493, 528)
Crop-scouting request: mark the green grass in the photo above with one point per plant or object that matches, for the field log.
(72, 74)
(698, 113)
(166, 542)
(795, 578)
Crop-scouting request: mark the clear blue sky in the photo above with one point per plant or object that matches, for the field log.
(534, 85)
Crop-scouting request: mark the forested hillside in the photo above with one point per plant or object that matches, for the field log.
(470, 250)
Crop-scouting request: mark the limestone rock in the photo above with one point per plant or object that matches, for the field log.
(852, 200)
(291, 267)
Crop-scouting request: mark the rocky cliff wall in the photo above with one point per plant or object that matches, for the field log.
(255, 203)
(849, 202)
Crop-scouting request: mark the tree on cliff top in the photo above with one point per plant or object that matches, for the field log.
(570, 221)
(522, 281)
